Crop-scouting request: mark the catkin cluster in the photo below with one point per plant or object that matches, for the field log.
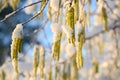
(17, 38)
(42, 61)
(36, 59)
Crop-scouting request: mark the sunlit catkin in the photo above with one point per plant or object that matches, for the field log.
(70, 24)
(42, 61)
(49, 11)
(14, 3)
(41, 5)
(2, 75)
(95, 65)
(76, 10)
(74, 70)
(104, 18)
(35, 60)
(79, 59)
(17, 38)
(56, 29)
(50, 73)
(80, 36)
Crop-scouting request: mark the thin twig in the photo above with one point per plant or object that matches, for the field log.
(18, 10)
(111, 9)
(37, 14)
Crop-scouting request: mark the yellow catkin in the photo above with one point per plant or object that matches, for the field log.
(2, 75)
(50, 73)
(56, 71)
(56, 47)
(70, 23)
(6, 3)
(17, 38)
(63, 72)
(95, 65)
(14, 3)
(49, 11)
(104, 18)
(35, 60)
(41, 5)
(79, 59)
(81, 36)
(76, 10)
(88, 15)
(15, 49)
(42, 61)
(74, 70)
(68, 74)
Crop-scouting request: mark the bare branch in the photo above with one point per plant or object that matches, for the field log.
(111, 9)
(18, 10)
(37, 14)
(96, 31)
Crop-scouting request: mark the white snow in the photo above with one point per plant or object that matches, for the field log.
(18, 32)
(67, 30)
(56, 28)
(70, 50)
(54, 4)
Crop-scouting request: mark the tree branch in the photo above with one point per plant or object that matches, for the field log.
(37, 14)
(18, 10)
(96, 31)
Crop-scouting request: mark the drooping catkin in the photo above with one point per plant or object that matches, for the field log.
(68, 71)
(104, 18)
(80, 36)
(79, 59)
(56, 71)
(88, 13)
(76, 10)
(50, 73)
(74, 70)
(17, 38)
(41, 5)
(35, 60)
(56, 29)
(42, 61)
(14, 3)
(63, 72)
(2, 75)
(70, 24)
(6, 3)
(95, 65)
(49, 11)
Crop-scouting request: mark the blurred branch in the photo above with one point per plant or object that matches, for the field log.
(111, 9)
(18, 10)
(97, 30)
(37, 14)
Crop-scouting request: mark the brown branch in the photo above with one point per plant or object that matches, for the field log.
(96, 31)
(111, 9)
(37, 14)
(18, 10)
